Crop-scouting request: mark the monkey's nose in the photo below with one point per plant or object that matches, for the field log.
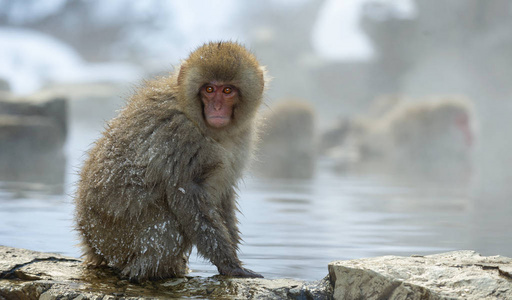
(217, 103)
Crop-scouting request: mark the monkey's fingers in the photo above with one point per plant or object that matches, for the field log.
(250, 274)
(240, 272)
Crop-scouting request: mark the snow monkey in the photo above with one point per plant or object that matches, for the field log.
(287, 147)
(162, 177)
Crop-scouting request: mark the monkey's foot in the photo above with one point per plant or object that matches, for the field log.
(239, 272)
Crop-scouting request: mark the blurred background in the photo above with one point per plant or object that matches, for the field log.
(386, 127)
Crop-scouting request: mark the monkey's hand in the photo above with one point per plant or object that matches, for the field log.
(238, 272)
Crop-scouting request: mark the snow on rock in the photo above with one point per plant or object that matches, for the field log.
(30, 60)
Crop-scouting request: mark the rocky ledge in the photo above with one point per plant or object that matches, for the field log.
(452, 275)
(26, 274)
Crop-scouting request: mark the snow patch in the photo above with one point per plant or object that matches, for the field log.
(30, 60)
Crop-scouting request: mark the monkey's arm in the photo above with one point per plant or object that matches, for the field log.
(228, 212)
(209, 231)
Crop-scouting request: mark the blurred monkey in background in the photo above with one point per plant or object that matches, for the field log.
(287, 147)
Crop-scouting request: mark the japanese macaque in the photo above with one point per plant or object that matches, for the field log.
(339, 138)
(436, 130)
(341, 142)
(287, 146)
(162, 178)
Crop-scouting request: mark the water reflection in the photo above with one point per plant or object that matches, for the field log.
(305, 225)
(294, 228)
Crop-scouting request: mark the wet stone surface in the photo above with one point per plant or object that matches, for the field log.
(26, 274)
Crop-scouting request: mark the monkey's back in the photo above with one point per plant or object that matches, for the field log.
(149, 155)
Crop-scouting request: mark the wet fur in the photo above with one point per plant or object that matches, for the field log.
(160, 181)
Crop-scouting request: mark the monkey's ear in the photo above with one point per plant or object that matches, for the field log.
(181, 73)
(266, 78)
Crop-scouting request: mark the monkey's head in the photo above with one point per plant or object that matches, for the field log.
(455, 116)
(220, 86)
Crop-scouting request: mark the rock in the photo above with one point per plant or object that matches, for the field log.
(453, 275)
(32, 134)
(26, 274)
(92, 103)
(4, 85)
(52, 107)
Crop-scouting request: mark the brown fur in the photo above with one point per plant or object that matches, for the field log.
(424, 130)
(287, 146)
(160, 181)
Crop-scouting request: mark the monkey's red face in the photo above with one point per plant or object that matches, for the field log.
(462, 122)
(218, 100)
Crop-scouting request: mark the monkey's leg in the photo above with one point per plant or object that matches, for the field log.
(91, 259)
(212, 237)
(158, 250)
(138, 250)
(88, 233)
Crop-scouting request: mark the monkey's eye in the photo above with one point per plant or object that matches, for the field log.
(227, 90)
(209, 89)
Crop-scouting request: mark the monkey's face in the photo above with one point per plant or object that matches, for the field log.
(220, 87)
(218, 100)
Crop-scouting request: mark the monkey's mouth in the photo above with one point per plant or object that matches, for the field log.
(218, 121)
